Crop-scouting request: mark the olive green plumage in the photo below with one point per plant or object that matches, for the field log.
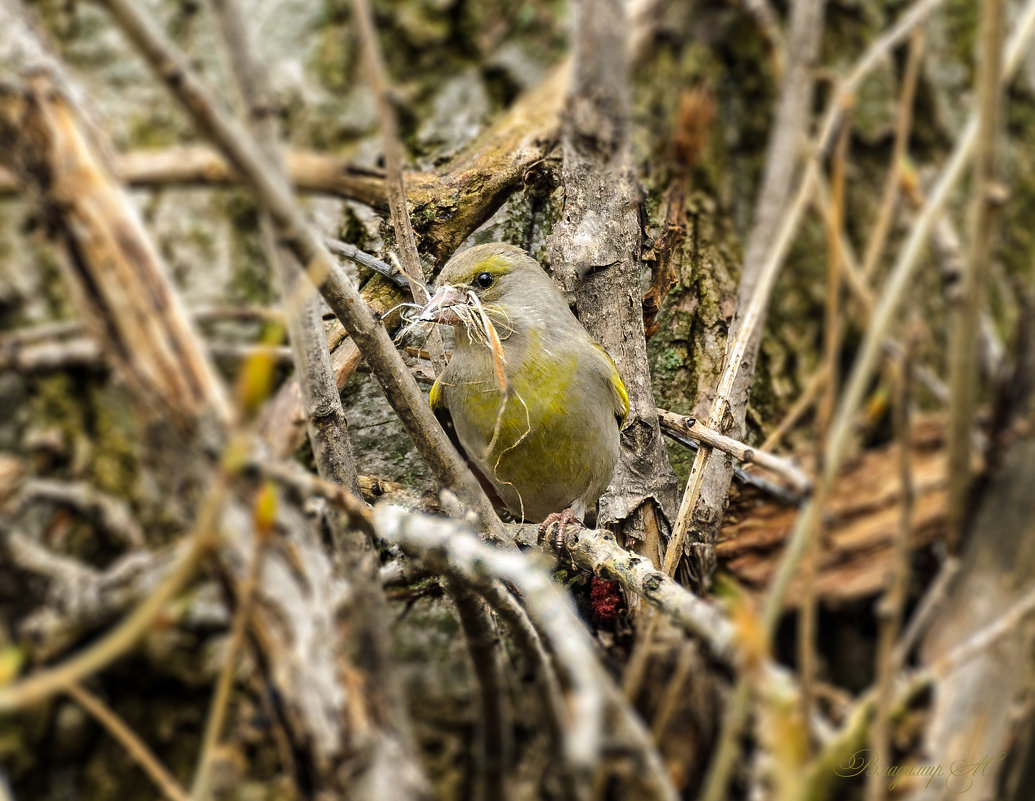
(554, 445)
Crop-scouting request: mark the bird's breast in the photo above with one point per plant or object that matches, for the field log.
(545, 440)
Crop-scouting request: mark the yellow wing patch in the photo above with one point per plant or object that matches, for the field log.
(622, 409)
(435, 396)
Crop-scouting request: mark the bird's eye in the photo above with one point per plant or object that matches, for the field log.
(484, 280)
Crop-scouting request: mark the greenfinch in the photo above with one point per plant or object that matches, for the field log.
(536, 404)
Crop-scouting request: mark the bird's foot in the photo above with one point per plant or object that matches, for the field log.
(561, 520)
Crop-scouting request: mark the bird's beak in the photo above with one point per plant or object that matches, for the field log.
(440, 307)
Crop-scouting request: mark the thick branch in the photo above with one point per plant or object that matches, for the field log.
(449, 547)
(595, 248)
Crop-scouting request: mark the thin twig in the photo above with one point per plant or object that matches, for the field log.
(832, 324)
(550, 695)
(728, 747)
(636, 667)
(306, 485)
(395, 183)
(909, 21)
(83, 353)
(200, 786)
(693, 428)
(986, 198)
(352, 253)
(891, 606)
(987, 636)
(325, 417)
(801, 406)
(493, 730)
(651, 770)
(742, 476)
(674, 694)
(61, 329)
(893, 181)
(128, 739)
(930, 604)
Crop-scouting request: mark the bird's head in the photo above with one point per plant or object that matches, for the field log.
(506, 282)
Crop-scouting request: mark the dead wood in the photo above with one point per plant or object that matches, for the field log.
(445, 204)
(862, 516)
(109, 259)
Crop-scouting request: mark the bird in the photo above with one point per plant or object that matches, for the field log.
(535, 404)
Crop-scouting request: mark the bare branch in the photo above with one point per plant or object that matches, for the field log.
(195, 165)
(494, 728)
(449, 547)
(111, 513)
(694, 429)
(275, 197)
(45, 682)
(111, 261)
(598, 552)
(128, 739)
(987, 198)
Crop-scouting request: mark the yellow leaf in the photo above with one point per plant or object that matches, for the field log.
(11, 660)
(264, 510)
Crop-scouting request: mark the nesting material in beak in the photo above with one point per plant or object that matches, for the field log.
(440, 308)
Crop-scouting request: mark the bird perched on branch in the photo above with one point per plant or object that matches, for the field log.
(535, 403)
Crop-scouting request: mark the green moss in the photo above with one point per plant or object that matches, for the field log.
(334, 58)
(961, 19)
(251, 280)
(95, 421)
(155, 128)
(670, 358)
(1017, 244)
(116, 463)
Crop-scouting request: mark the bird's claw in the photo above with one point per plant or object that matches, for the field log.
(561, 520)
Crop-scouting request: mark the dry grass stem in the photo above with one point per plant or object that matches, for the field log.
(986, 201)
(891, 606)
(200, 786)
(892, 185)
(128, 739)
